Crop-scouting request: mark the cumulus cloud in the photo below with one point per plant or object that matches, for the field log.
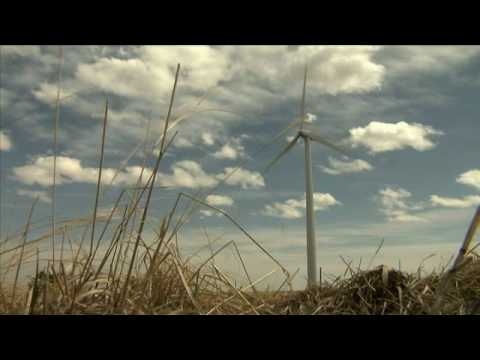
(71, 170)
(245, 178)
(41, 195)
(46, 93)
(207, 138)
(219, 200)
(310, 118)
(182, 143)
(465, 202)
(395, 204)
(323, 201)
(207, 213)
(226, 152)
(5, 142)
(282, 210)
(409, 59)
(231, 150)
(41, 170)
(471, 178)
(381, 137)
(332, 69)
(188, 174)
(150, 71)
(294, 208)
(338, 167)
(402, 216)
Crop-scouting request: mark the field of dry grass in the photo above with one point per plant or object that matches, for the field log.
(170, 288)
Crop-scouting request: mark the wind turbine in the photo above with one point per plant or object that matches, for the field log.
(307, 136)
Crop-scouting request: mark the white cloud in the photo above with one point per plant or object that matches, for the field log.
(323, 201)
(150, 73)
(129, 77)
(402, 216)
(46, 92)
(381, 137)
(284, 211)
(188, 174)
(207, 138)
(219, 200)
(471, 177)
(338, 167)
(5, 142)
(208, 213)
(347, 69)
(310, 118)
(465, 202)
(41, 195)
(40, 171)
(245, 178)
(71, 170)
(395, 205)
(226, 152)
(408, 59)
(393, 197)
(332, 69)
(232, 150)
(293, 208)
(182, 143)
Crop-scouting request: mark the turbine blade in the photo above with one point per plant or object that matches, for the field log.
(287, 148)
(336, 134)
(302, 108)
(289, 126)
(328, 144)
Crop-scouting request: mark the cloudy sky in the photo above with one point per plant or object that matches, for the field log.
(406, 114)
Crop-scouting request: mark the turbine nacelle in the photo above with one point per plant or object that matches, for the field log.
(305, 133)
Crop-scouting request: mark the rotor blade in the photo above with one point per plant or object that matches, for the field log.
(287, 148)
(289, 126)
(328, 144)
(331, 128)
(302, 108)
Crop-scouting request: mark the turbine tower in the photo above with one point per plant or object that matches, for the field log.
(307, 136)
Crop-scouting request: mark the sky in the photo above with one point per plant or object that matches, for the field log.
(407, 115)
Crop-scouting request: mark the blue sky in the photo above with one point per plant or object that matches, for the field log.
(408, 114)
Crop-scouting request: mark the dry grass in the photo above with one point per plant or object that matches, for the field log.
(171, 287)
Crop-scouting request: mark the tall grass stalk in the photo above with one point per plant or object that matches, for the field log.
(22, 251)
(152, 184)
(55, 149)
(99, 180)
